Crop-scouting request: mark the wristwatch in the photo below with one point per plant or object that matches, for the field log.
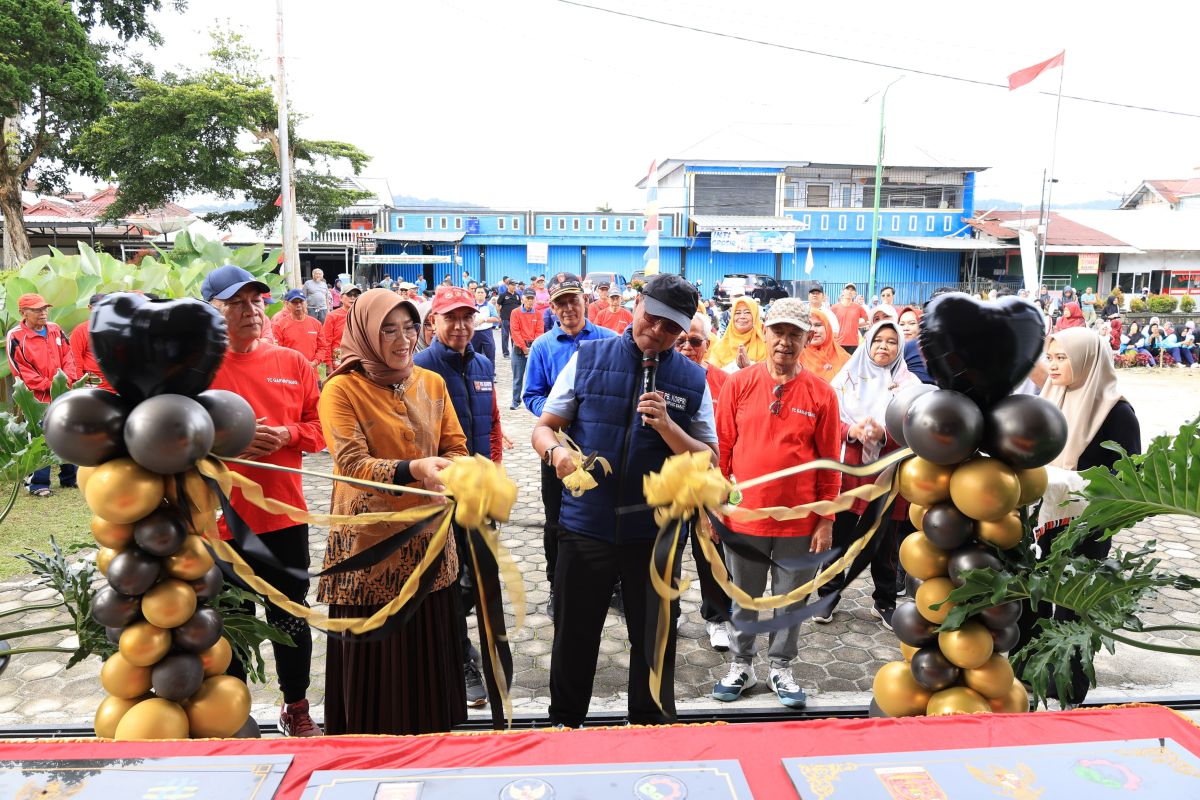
(548, 456)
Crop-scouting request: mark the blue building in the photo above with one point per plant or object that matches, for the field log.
(715, 218)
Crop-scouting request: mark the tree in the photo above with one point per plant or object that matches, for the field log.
(187, 134)
(54, 83)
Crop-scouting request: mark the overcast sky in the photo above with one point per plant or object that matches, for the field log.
(544, 104)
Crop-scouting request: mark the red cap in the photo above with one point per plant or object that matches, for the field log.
(449, 298)
(31, 300)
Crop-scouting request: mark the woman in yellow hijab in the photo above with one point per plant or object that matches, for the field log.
(743, 341)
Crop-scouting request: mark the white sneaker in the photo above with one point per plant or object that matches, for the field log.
(786, 689)
(718, 636)
(739, 678)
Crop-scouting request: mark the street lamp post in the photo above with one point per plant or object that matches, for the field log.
(878, 186)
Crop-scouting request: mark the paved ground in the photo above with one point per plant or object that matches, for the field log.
(836, 663)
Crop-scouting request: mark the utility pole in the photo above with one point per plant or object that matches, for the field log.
(291, 248)
(878, 185)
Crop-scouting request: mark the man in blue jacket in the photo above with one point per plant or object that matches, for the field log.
(547, 357)
(598, 400)
(468, 377)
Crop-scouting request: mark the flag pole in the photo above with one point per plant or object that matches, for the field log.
(1050, 188)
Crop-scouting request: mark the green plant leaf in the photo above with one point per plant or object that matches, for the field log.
(14, 287)
(1048, 657)
(245, 631)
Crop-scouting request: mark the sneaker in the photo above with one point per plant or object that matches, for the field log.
(826, 618)
(514, 406)
(884, 614)
(476, 691)
(718, 636)
(786, 688)
(294, 720)
(739, 678)
(617, 601)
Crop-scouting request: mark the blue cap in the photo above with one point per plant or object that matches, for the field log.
(293, 294)
(224, 282)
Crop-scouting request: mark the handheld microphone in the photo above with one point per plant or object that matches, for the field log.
(649, 368)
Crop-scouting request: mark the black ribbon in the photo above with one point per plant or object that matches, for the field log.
(489, 602)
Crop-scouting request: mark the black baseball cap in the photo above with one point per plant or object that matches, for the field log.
(530, 293)
(565, 283)
(669, 296)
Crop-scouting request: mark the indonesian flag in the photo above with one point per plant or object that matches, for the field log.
(1027, 75)
(279, 201)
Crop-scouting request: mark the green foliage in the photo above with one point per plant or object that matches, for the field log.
(245, 631)
(23, 448)
(1137, 305)
(73, 582)
(1162, 303)
(1187, 304)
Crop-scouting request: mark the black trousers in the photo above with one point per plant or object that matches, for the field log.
(293, 664)
(587, 570)
(883, 550)
(1091, 547)
(715, 605)
(505, 335)
(552, 490)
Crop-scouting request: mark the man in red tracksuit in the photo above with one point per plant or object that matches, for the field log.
(281, 387)
(335, 325)
(295, 329)
(37, 349)
(81, 348)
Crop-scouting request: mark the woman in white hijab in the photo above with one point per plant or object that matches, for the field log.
(864, 387)
(1083, 384)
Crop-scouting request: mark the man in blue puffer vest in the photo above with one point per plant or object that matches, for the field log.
(468, 377)
(598, 400)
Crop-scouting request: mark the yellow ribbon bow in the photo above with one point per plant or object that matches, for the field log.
(482, 490)
(687, 484)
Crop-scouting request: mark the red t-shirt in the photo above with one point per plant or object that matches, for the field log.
(848, 317)
(716, 381)
(335, 326)
(280, 385)
(302, 335)
(754, 442)
(85, 358)
(616, 321)
(595, 307)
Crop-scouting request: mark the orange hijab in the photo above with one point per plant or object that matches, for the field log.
(826, 359)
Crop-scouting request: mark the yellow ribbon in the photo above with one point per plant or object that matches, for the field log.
(481, 489)
(666, 595)
(687, 482)
(581, 479)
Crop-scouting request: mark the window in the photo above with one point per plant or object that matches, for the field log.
(500, 223)
(604, 224)
(817, 195)
(516, 223)
(633, 224)
(546, 223)
(824, 222)
(429, 223)
(617, 224)
(660, 224)
(458, 223)
(847, 196)
(791, 193)
(399, 223)
(562, 223)
(929, 223)
(841, 222)
(591, 224)
(443, 221)
(575, 224)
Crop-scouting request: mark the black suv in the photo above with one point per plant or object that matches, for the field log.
(762, 288)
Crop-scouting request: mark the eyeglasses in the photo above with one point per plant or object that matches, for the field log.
(777, 406)
(663, 323)
(695, 341)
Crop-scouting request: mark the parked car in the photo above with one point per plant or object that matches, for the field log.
(610, 278)
(762, 288)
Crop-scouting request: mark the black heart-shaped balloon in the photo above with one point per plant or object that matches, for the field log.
(981, 349)
(151, 347)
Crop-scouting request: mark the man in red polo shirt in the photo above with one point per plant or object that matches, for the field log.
(281, 387)
(600, 303)
(615, 316)
(851, 317)
(81, 348)
(335, 326)
(296, 330)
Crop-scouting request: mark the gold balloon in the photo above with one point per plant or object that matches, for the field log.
(198, 492)
(921, 559)
(1033, 484)
(192, 560)
(1004, 533)
(218, 708)
(923, 482)
(993, 680)
(122, 679)
(985, 488)
(217, 658)
(916, 514)
(104, 557)
(908, 651)
(109, 534)
(143, 644)
(155, 718)
(969, 647)
(122, 492)
(109, 713)
(169, 604)
(897, 691)
(935, 590)
(957, 700)
(82, 476)
(1015, 701)
(200, 521)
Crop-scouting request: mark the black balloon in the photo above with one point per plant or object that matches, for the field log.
(968, 558)
(248, 731)
(1005, 639)
(200, 632)
(946, 527)
(177, 677)
(115, 610)
(84, 427)
(150, 347)
(982, 349)
(132, 571)
(161, 533)
(944, 427)
(1001, 616)
(1025, 431)
(113, 634)
(874, 711)
(209, 584)
(893, 417)
(168, 433)
(911, 585)
(911, 628)
(234, 421)
(933, 670)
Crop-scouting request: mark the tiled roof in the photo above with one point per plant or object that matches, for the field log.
(1172, 190)
(1063, 232)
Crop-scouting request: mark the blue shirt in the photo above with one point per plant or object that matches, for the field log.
(548, 356)
(915, 361)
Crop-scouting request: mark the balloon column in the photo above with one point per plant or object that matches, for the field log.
(980, 456)
(137, 450)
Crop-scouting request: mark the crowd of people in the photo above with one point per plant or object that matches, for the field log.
(410, 383)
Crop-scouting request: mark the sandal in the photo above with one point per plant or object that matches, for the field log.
(40, 492)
